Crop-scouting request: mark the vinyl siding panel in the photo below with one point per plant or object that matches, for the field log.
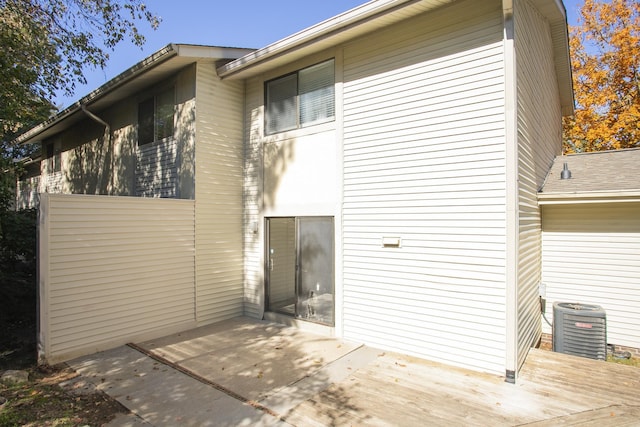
(219, 178)
(157, 169)
(539, 133)
(253, 201)
(27, 190)
(113, 270)
(591, 255)
(424, 160)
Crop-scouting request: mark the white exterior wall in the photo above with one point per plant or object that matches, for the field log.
(218, 192)
(539, 133)
(293, 173)
(252, 200)
(112, 270)
(424, 160)
(157, 169)
(591, 255)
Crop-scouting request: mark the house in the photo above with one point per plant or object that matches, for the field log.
(28, 185)
(591, 238)
(142, 141)
(374, 176)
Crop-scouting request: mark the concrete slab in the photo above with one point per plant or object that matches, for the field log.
(163, 396)
(336, 383)
(253, 358)
(127, 420)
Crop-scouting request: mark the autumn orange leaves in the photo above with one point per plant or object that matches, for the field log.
(605, 60)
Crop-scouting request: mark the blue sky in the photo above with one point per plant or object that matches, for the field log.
(239, 23)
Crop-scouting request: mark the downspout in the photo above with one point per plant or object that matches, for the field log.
(107, 129)
(511, 196)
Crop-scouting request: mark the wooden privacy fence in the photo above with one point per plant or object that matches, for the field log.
(113, 270)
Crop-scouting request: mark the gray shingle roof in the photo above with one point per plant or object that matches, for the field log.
(613, 172)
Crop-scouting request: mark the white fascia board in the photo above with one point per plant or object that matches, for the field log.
(211, 52)
(348, 20)
(591, 197)
(161, 56)
(142, 66)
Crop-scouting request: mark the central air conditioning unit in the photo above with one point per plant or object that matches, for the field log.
(580, 330)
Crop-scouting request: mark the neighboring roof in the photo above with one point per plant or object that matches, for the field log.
(145, 73)
(595, 177)
(380, 13)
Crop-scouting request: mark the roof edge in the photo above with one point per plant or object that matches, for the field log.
(164, 54)
(151, 61)
(588, 197)
(350, 18)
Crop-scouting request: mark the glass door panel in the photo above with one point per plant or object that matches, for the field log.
(315, 278)
(281, 292)
(300, 268)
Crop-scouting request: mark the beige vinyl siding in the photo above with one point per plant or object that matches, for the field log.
(591, 255)
(252, 200)
(27, 193)
(424, 160)
(218, 173)
(113, 270)
(157, 169)
(539, 133)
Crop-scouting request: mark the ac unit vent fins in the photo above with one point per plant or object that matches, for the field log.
(580, 330)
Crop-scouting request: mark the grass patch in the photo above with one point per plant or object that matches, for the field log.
(634, 361)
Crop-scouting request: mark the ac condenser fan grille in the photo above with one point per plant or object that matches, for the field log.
(580, 330)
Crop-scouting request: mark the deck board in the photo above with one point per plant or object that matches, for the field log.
(552, 389)
(311, 380)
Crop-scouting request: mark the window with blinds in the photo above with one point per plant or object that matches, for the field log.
(300, 99)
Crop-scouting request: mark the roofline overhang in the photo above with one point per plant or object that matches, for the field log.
(588, 197)
(356, 17)
(161, 56)
(562, 55)
(158, 57)
(251, 64)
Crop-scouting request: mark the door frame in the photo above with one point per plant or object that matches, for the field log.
(297, 261)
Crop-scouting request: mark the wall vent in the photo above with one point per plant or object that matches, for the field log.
(580, 330)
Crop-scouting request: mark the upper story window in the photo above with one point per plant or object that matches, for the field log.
(301, 98)
(155, 117)
(53, 159)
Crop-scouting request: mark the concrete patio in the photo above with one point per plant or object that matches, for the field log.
(248, 372)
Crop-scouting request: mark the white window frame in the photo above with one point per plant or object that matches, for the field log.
(310, 98)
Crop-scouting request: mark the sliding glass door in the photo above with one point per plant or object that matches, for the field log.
(300, 268)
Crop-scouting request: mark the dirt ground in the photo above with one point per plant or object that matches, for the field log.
(50, 397)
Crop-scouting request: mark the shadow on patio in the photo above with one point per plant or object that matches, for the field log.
(248, 372)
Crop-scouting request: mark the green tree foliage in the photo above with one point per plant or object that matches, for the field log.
(46, 45)
(605, 61)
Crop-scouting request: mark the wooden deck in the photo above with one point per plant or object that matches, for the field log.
(351, 385)
(277, 375)
(552, 389)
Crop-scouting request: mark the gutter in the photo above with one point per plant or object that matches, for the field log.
(329, 27)
(107, 130)
(141, 67)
